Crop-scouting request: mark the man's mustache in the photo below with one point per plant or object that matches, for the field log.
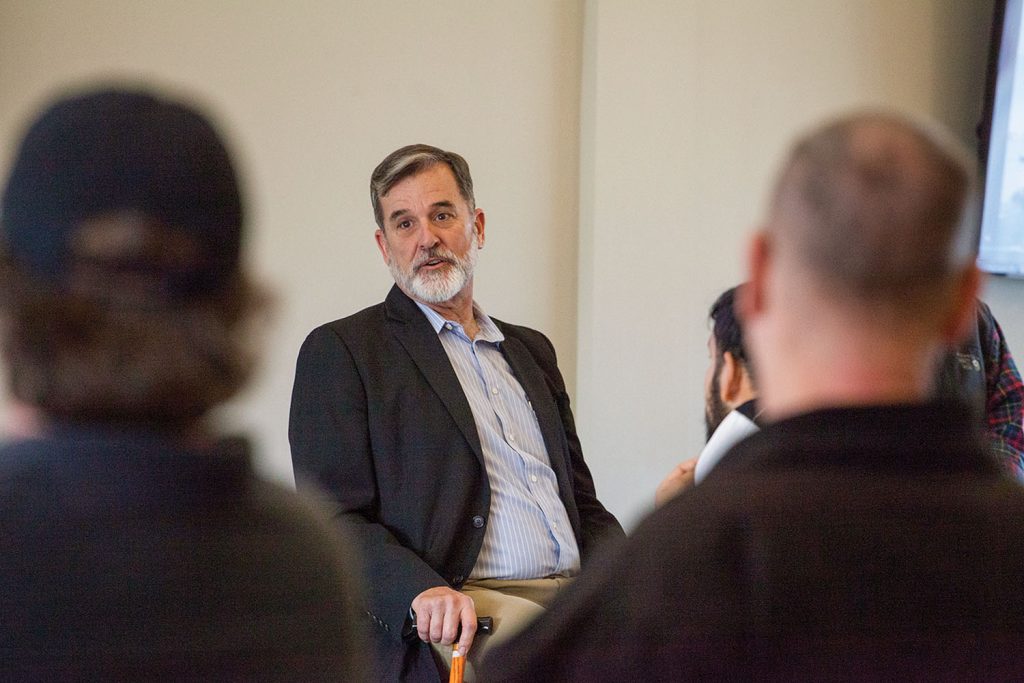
(442, 255)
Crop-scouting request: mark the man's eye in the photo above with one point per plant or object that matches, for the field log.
(405, 225)
(443, 216)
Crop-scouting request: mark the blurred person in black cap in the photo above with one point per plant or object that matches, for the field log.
(135, 543)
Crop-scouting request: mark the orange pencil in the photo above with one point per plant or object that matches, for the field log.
(458, 666)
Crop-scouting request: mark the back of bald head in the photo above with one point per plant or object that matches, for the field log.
(877, 210)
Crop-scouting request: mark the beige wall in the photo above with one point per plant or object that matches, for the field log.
(614, 218)
(315, 93)
(687, 108)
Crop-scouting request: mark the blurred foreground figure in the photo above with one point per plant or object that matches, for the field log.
(134, 544)
(866, 532)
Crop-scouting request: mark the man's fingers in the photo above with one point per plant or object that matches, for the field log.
(423, 626)
(468, 619)
(433, 627)
(437, 625)
(439, 613)
(680, 478)
(451, 626)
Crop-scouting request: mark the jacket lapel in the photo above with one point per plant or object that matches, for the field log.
(420, 341)
(531, 377)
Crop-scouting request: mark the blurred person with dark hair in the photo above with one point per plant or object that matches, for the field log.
(134, 542)
(730, 399)
(866, 532)
(981, 373)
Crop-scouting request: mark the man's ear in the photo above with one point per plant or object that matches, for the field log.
(964, 312)
(730, 379)
(751, 298)
(382, 244)
(478, 225)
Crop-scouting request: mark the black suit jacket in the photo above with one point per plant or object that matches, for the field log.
(876, 543)
(380, 421)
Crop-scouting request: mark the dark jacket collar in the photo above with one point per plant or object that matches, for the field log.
(933, 437)
(416, 335)
(399, 306)
(125, 457)
(750, 411)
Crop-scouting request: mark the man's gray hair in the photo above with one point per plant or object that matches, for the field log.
(879, 206)
(409, 161)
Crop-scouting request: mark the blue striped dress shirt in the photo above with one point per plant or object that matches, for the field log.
(528, 535)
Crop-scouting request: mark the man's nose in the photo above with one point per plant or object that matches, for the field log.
(427, 237)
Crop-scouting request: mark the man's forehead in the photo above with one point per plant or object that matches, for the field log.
(436, 180)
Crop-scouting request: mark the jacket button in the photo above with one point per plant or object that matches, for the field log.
(456, 580)
(478, 521)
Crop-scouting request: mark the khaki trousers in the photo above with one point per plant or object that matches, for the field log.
(511, 604)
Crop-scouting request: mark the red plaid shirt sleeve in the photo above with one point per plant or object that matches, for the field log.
(1005, 402)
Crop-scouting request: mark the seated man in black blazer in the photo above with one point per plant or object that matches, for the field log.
(865, 532)
(444, 435)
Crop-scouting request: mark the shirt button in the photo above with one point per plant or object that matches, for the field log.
(494, 390)
(478, 521)
(511, 438)
(533, 477)
(447, 326)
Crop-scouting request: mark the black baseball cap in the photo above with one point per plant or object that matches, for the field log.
(115, 150)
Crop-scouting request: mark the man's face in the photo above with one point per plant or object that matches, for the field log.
(430, 236)
(715, 409)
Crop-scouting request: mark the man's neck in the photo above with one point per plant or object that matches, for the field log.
(818, 353)
(846, 384)
(847, 369)
(459, 309)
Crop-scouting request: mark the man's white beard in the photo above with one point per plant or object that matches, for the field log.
(438, 285)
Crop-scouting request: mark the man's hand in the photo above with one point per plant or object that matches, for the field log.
(679, 479)
(440, 611)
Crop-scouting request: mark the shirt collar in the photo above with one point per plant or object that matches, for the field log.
(751, 411)
(488, 332)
